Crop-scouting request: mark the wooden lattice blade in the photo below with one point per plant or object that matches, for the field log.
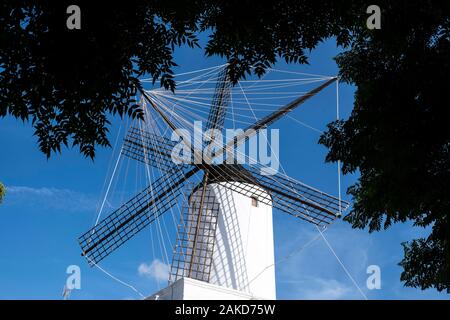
(299, 199)
(150, 149)
(283, 193)
(120, 226)
(220, 102)
(183, 262)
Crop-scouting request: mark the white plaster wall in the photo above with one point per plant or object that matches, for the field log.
(191, 289)
(243, 256)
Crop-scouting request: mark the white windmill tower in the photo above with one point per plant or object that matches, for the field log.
(227, 252)
(225, 246)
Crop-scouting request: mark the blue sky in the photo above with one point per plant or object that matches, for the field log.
(51, 202)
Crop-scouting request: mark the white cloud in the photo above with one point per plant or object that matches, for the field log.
(313, 272)
(49, 198)
(308, 287)
(329, 289)
(156, 270)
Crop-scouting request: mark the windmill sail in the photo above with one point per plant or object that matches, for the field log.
(195, 233)
(150, 149)
(132, 217)
(220, 102)
(299, 199)
(286, 194)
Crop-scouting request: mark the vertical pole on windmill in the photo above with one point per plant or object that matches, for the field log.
(199, 219)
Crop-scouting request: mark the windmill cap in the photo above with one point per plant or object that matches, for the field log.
(230, 173)
(227, 173)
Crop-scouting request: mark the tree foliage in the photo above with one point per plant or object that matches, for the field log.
(67, 82)
(2, 192)
(398, 135)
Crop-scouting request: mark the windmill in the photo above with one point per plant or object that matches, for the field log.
(209, 260)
